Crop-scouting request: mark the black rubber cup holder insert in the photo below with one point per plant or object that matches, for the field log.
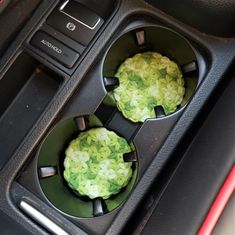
(50, 165)
(151, 39)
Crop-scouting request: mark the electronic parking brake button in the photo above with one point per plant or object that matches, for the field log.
(55, 49)
(80, 13)
(76, 21)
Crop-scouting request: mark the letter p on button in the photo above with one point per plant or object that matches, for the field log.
(71, 26)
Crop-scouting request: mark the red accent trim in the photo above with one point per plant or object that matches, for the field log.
(219, 204)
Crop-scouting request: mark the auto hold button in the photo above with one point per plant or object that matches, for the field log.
(55, 49)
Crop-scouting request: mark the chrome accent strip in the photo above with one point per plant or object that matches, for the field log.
(42, 219)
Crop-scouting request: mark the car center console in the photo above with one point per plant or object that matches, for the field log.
(54, 84)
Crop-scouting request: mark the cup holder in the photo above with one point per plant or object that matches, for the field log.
(50, 165)
(151, 39)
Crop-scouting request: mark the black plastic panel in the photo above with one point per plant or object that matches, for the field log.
(193, 188)
(213, 17)
(31, 87)
(15, 79)
(9, 226)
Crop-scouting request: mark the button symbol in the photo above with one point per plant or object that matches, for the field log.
(71, 26)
